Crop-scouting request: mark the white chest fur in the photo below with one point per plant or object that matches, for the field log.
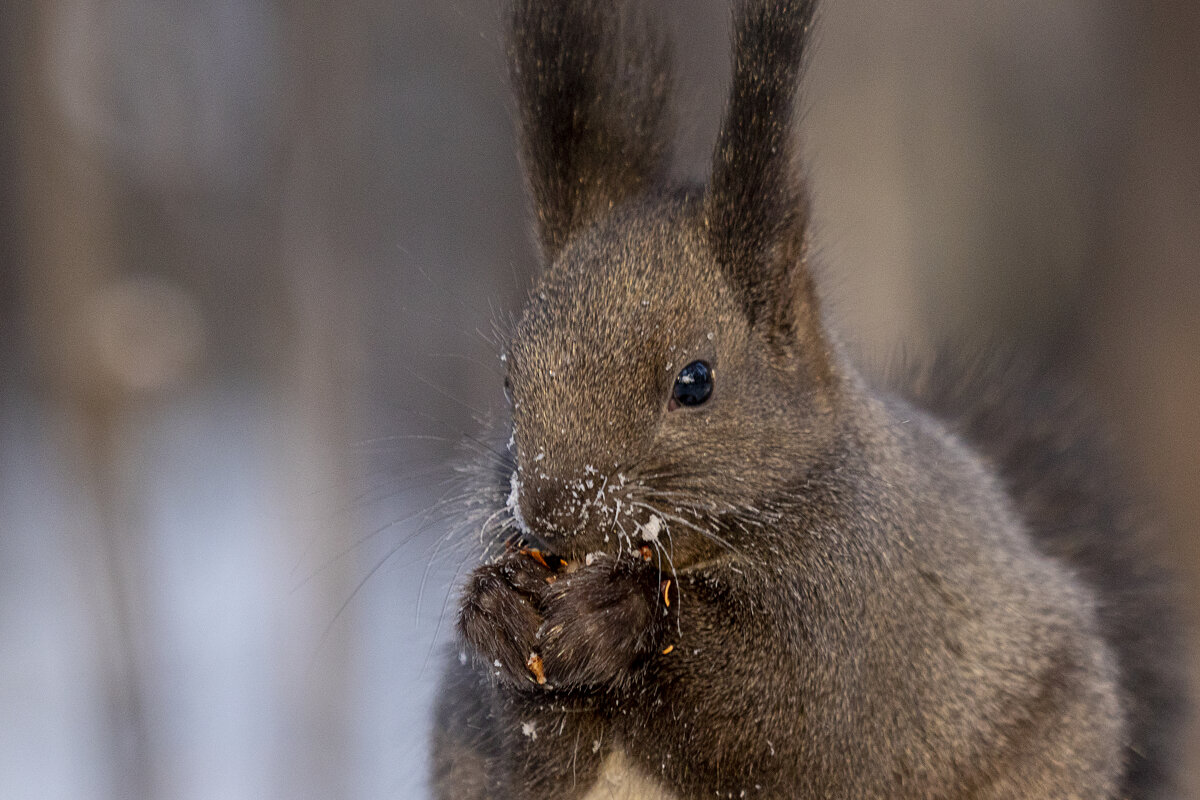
(621, 780)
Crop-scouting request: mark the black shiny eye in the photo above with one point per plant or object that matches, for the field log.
(693, 385)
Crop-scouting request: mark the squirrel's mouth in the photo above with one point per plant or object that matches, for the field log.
(529, 545)
(532, 547)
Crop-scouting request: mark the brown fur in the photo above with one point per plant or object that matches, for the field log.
(859, 605)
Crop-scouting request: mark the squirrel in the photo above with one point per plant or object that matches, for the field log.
(721, 561)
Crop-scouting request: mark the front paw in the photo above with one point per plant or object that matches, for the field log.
(500, 617)
(600, 622)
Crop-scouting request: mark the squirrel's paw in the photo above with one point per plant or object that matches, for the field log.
(500, 617)
(598, 622)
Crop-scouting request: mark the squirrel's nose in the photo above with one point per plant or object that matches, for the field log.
(554, 507)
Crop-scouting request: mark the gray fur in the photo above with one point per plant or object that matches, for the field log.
(862, 603)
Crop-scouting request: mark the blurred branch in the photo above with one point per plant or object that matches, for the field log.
(72, 249)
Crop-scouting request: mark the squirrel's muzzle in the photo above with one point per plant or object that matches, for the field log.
(580, 511)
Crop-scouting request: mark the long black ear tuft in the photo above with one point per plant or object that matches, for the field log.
(591, 81)
(756, 209)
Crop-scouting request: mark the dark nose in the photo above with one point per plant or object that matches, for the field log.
(556, 509)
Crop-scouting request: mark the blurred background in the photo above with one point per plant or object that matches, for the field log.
(251, 260)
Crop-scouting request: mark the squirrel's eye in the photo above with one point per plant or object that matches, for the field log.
(693, 385)
(508, 390)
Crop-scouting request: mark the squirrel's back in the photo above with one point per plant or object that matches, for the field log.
(1060, 468)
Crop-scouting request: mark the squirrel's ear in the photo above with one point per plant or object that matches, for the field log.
(591, 82)
(755, 209)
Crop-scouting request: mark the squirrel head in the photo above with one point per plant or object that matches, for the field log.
(671, 368)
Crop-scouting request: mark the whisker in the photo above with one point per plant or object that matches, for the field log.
(358, 588)
(422, 515)
(405, 437)
(443, 392)
(674, 577)
(437, 630)
(708, 534)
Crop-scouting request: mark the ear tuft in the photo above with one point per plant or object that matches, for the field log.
(591, 80)
(755, 208)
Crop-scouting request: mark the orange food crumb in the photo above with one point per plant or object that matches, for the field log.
(537, 556)
(534, 663)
